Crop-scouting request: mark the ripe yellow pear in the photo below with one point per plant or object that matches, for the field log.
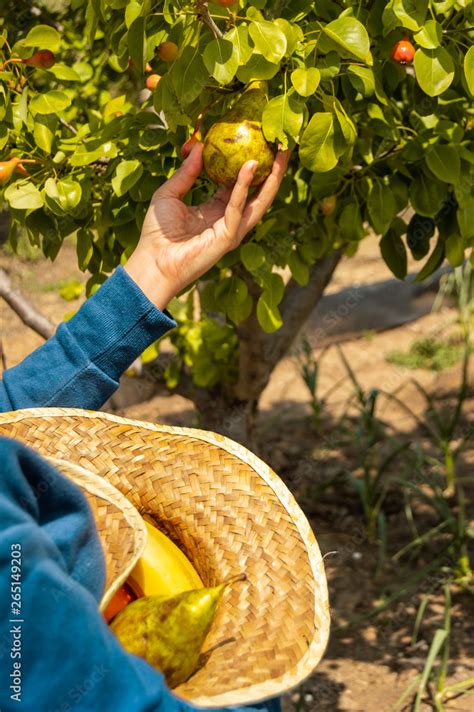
(238, 138)
(7, 168)
(163, 569)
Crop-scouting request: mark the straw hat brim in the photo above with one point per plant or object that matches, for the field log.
(121, 529)
(230, 513)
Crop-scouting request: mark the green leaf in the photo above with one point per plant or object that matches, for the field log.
(293, 33)
(346, 126)
(231, 289)
(427, 195)
(84, 248)
(172, 374)
(137, 43)
(432, 263)
(65, 194)
(239, 36)
(3, 136)
(350, 223)
(410, 13)
(351, 38)
(469, 69)
(126, 175)
(23, 195)
(444, 162)
(92, 14)
(430, 35)
(43, 37)
(454, 248)
(82, 156)
(132, 11)
(381, 207)
(84, 71)
(419, 232)
(221, 58)
(362, 79)
(394, 253)
(44, 131)
(257, 68)
(317, 150)
(268, 314)
(464, 219)
(252, 255)
(188, 75)
(306, 81)
(52, 102)
(71, 290)
(282, 117)
(299, 269)
(238, 312)
(94, 282)
(65, 73)
(434, 69)
(273, 283)
(150, 353)
(22, 106)
(116, 104)
(39, 224)
(269, 40)
(329, 65)
(232, 296)
(165, 100)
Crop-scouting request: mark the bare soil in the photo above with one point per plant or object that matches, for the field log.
(368, 664)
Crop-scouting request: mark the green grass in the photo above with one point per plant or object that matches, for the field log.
(428, 353)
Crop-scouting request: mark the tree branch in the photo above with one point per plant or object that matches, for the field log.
(3, 357)
(24, 309)
(204, 15)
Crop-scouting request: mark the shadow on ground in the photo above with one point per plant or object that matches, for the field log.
(365, 649)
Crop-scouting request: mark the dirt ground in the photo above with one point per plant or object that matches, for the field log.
(367, 666)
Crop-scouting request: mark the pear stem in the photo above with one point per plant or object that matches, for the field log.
(235, 579)
(11, 60)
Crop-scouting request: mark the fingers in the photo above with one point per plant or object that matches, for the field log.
(222, 195)
(259, 203)
(184, 178)
(238, 200)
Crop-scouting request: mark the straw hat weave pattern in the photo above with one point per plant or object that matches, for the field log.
(230, 513)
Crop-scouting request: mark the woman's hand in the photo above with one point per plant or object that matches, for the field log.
(179, 243)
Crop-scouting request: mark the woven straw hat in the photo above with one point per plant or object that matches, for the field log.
(121, 529)
(228, 511)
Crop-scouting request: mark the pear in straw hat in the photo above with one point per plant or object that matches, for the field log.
(230, 513)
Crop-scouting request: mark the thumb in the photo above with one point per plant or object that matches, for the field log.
(184, 178)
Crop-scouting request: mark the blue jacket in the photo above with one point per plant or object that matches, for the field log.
(56, 652)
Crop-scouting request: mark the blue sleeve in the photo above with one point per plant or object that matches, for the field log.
(80, 366)
(56, 652)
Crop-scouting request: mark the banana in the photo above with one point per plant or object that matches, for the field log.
(163, 569)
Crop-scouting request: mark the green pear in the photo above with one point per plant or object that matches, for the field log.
(169, 631)
(237, 138)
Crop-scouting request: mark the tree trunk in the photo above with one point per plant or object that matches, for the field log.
(232, 410)
(259, 353)
(4, 226)
(234, 418)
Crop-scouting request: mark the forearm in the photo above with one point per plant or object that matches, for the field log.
(80, 366)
